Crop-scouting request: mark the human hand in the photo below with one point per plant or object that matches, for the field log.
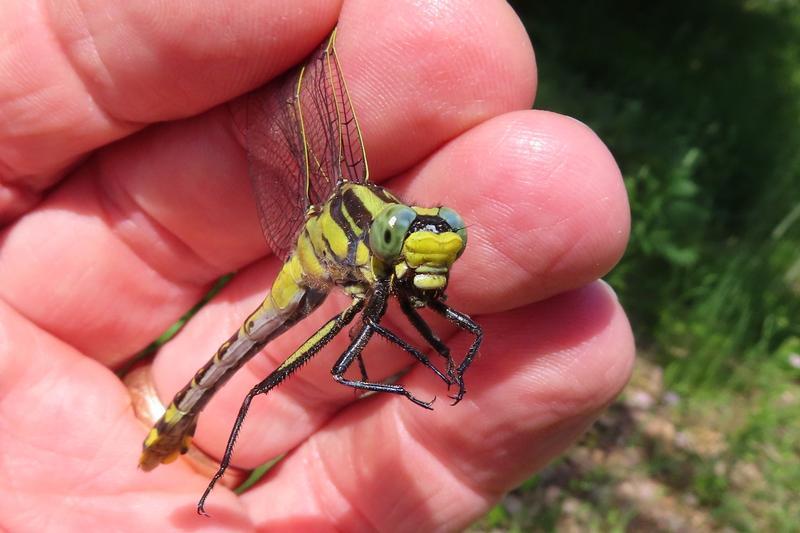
(132, 235)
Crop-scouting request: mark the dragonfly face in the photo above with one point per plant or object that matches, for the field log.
(419, 245)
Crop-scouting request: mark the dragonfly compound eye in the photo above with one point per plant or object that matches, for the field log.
(455, 222)
(389, 230)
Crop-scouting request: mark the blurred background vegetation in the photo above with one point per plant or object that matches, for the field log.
(700, 104)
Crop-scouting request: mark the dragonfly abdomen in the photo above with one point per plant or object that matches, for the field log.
(289, 301)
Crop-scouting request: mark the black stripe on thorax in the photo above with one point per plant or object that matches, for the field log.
(338, 216)
(329, 254)
(383, 194)
(356, 209)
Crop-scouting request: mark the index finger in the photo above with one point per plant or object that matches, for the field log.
(78, 75)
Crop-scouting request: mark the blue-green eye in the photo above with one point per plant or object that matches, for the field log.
(455, 221)
(388, 231)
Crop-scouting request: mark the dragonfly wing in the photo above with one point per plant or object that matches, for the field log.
(269, 122)
(302, 139)
(330, 127)
(352, 156)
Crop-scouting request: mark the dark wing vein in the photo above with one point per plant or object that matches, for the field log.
(276, 162)
(332, 134)
(302, 140)
(353, 158)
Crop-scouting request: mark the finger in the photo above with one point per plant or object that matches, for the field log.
(544, 202)
(510, 262)
(140, 230)
(423, 72)
(84, 74)
(70, 441)
(544, 373)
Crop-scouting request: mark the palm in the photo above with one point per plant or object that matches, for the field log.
(133, 235)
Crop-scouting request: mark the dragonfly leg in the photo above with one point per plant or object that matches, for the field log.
(373, 311)
(347, 358)
(375, 308)
(421, 357)
(300, 356)
(427, 333)
(466, 323)
(362, 368)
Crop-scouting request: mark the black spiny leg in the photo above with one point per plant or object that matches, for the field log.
(466, 323)
(362, 368)
(427, 333)
(308, 349)
(375, 309)
(421, 357)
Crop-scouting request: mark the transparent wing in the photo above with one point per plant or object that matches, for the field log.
(302, 140)
(276, 161)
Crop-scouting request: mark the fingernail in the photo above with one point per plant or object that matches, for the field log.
(609, 288)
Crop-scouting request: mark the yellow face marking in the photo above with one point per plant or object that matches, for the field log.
(426, 269)
(427, 248)
(430, 281)
(429, 211)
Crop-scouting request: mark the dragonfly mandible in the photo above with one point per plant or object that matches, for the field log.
(332, 227)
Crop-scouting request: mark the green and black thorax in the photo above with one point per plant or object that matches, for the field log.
(364, 233)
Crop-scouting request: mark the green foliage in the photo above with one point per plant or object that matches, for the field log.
(497, 517)
(699, 102)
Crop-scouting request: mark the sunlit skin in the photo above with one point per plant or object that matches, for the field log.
(132, 236)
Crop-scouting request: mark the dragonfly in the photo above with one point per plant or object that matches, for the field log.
(332, 227)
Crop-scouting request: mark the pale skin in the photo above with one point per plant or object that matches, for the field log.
(104, 246)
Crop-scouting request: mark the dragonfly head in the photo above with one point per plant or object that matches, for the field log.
(419, 244)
